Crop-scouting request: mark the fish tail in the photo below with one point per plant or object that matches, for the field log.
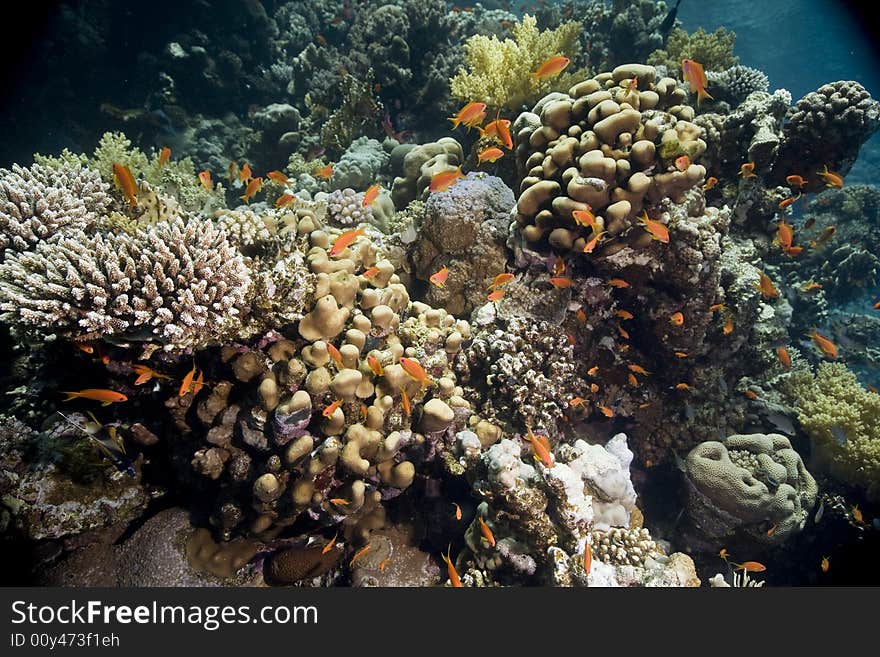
(71, 395)
(702, 93)
(455, 121)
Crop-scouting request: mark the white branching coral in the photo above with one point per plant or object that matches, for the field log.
(178, 282)
(37, 202)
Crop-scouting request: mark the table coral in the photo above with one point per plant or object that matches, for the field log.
(842, 420)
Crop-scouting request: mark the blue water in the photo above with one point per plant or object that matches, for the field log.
(800, 45)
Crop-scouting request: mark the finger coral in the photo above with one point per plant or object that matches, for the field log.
(499, 73)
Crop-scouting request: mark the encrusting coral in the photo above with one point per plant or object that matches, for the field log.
(499, 73)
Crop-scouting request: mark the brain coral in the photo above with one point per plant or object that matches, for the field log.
(746, 485)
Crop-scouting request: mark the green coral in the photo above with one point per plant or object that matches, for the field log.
(57, 161)
(714, 51)
(360, 108)
(843, 422)
(499, 73)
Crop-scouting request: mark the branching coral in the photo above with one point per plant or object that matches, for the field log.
(713, 50)
(40, 201)
(843, 421)
(499, 73)
(180, 283)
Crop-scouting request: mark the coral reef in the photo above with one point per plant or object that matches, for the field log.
(419, 164)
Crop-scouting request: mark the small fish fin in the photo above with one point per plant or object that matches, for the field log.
(70, 395)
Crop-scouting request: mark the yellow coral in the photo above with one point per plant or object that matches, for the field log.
(499, 73)
(714, 50)
(843, 422)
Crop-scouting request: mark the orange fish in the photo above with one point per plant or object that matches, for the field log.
(631, 87)
(440, 182)
(439, 278)
(789, 201)
(359, 554)
(407, 408)
(205, 179)
(588, 557)
(560, 282)
(594, 388)
(412, 367)
(751, 394)
(278, 177)
(486, 532)
(711, 181)
(765, 285)
(624, 314)
(680, 354)
(728, 325)
(577, 401)
(541, 447)
(857, 515)
(490, 155)
(320, 40)
(331, 409)
(826, 235)
(245, 174)
(187, 384)
(677, 318)
(471, 115)
(633, 381)
(338, 501)
(371, 195)
(682, 386)
(584, 218)
(496, 295)
(795, 180)
(750, 566)
(375, 365)
(607, 412)
(344, 241)
(371, 273)
(232, 171)
(330, 544)
(618, 283)
(809, 286)
(454, 579)
(593, 371)
(717, 306)
(126, 183)
(146, 373)
(723, 553)
(772, 530)
(784, 357)
(106, 397)
(500, 280)
(164, 156)
(696, 78)
(581, 316)
(832, 179)
(590, 246)
(825, 564)
(326, 173)
(89, 349)
(250, 191)
(682, 163)
(638, 369)
(551, 67)
(825, 345)
(284, 200)
(784, 235)
(335, 355)
(747, 170)
(623, 333)
(558, 267)
(658, 231)
(499, 128)
(457, 511)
